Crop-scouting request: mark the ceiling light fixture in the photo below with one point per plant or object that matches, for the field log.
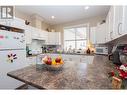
(52, 17)
(86, 8)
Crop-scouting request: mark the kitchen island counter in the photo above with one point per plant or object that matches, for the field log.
(73, 75)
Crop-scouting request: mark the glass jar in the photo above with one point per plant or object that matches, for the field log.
(40, 64)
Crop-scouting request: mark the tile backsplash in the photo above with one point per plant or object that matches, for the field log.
(36, 45)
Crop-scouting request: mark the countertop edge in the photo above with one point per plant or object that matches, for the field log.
(32, 84)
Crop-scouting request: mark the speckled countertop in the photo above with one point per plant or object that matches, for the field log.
(73, 75)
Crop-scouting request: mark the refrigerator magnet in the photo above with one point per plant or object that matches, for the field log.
(11, 57)
(1, 37)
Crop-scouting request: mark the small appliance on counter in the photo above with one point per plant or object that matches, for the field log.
(101, 50)
(28, 51)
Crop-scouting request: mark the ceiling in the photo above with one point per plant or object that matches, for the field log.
(64, 14)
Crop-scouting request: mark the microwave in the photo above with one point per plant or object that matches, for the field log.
(101, 50)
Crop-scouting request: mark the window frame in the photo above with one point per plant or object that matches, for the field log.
(75, 29)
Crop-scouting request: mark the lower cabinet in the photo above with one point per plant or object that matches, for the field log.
(31, 60)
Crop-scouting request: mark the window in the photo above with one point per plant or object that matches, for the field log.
(75, 38)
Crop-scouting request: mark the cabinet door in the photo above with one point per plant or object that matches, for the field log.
(45, 36)
(118, 31)
(34, 34)
(125, 20)
(107, 29)
(52, 38)
(58, 38)
(28, 35)
(100, 34)
(40, 35)
(111, 24)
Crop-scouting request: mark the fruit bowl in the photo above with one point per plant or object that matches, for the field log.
(53, 63)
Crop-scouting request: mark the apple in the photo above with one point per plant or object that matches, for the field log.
(49, 62)
(58, 60)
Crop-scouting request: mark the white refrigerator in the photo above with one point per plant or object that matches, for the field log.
(12, 57)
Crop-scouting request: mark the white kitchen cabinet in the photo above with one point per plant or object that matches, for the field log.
(31, 60)
(45, 35)
(124, 31)
(75, 58)
(58, 38)
(83, 59)
(36, 34)
(54, 38)
(107, 29)
(111, 24)
(39, 34)
(51, 38)
(114, 23)
(101, 34)
(118, 21)
(16, 22)
(93, 31)
(28, 34)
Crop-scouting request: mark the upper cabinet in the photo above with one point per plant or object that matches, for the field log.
(110, 20)
(118, 21)
(50, 38)
(125, 20)
(16, 22)
(101, 33)
(28, 34)
(110, 27)
(54, 38)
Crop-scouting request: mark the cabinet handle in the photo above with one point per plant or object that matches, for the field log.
(119, 28)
